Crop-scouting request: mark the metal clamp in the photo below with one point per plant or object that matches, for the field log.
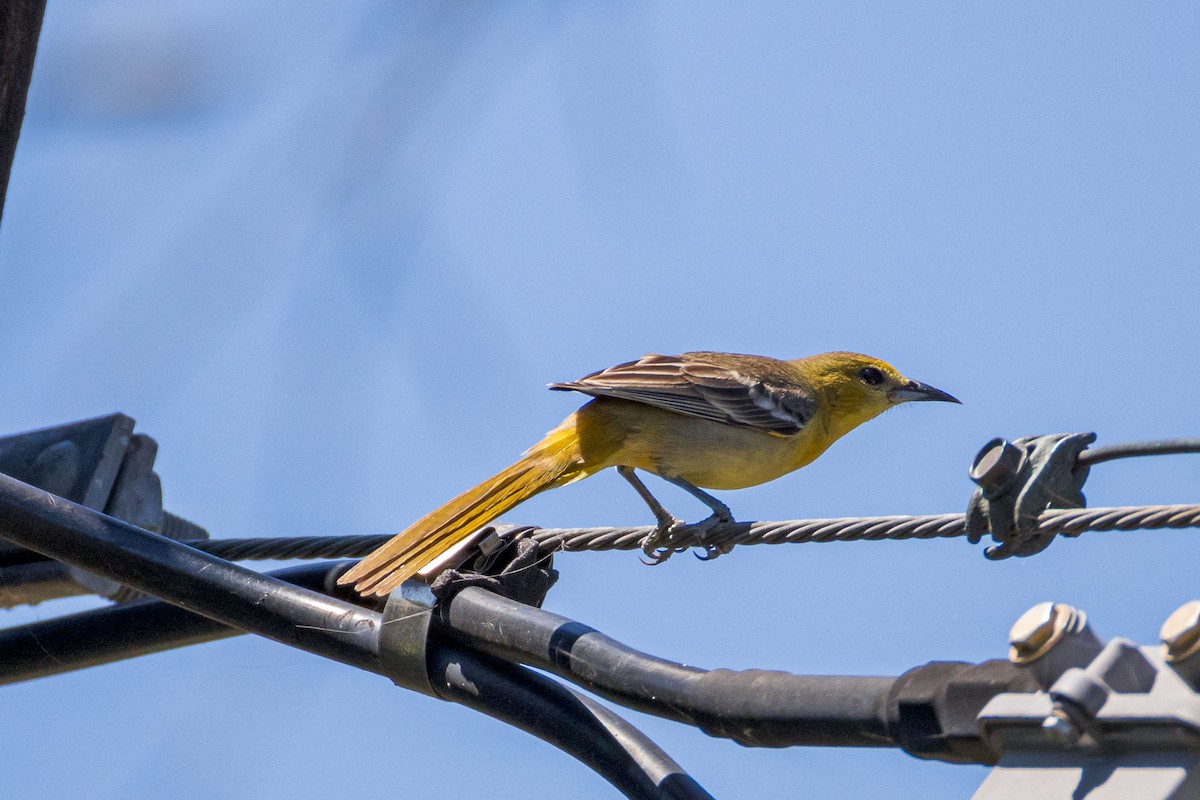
(1019, 480)
(506, 562)
(511, 565)
(404, 635)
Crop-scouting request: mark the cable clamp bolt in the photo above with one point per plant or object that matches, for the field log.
(1017, 481)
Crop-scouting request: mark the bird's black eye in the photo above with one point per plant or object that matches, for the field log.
(871, 376)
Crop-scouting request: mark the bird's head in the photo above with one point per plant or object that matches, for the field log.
(860, 387)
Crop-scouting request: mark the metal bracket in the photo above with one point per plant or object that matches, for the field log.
(99, 463)
(1112, 720)
(1019, 480)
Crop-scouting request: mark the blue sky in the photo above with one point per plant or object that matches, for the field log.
(328, 255)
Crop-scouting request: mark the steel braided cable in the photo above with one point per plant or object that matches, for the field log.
(1069, 522)
(282, 548)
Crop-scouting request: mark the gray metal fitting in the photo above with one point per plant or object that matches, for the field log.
(404, 635)
(1123, 667)
(1079, 694)
(996, 466)
(1122, 725)
(102, 464)
(1080, 689)
(1051, 638)
(1180, 636)
(1019, 480)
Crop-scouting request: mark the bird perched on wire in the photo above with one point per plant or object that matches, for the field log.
(712, 420)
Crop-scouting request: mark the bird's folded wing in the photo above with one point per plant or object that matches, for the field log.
(689, 384)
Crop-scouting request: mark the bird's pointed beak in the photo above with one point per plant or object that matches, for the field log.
(915, 390)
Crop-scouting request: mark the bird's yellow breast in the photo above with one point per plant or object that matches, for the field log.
(712, 455)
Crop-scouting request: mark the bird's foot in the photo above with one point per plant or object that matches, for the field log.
(662, 544)
(704, 528)
(666, 539)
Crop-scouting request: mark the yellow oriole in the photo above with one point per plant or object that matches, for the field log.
(717, 420)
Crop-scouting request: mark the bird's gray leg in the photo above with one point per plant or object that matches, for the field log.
(657, 546)
(721, 512)
(721, 515)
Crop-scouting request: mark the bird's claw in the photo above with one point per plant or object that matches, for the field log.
(712, 550)
(662, 544)
(653, 558)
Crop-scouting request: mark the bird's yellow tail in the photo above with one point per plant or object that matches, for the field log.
(552, 462)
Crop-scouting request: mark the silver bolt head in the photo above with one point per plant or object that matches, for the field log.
(1034, 632)
(996, 465)
(1180, 634)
